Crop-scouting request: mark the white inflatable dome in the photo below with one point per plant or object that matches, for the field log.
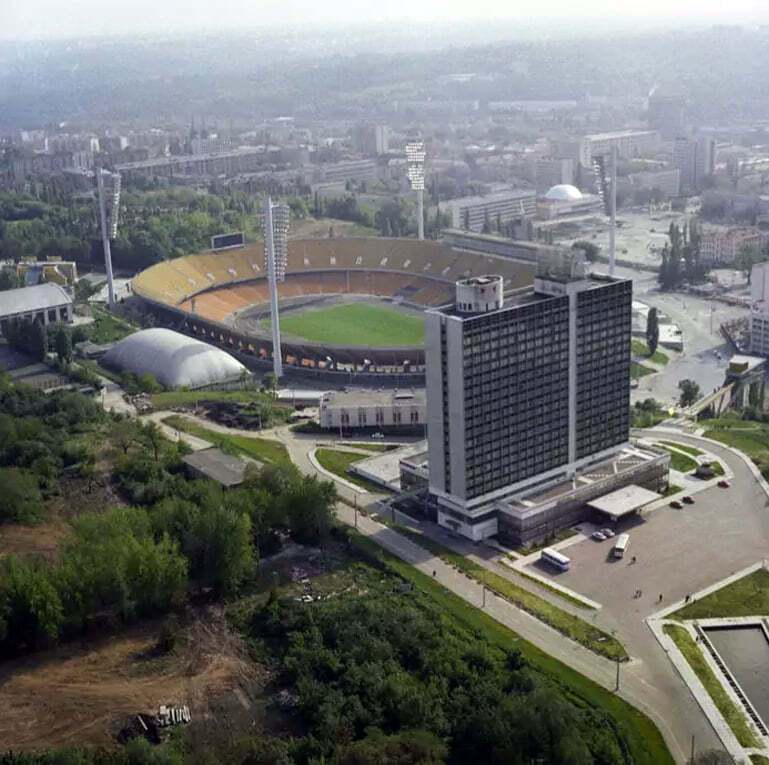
(564, 192)
(173, 359)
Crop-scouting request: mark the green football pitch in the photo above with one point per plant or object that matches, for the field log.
(355, 324)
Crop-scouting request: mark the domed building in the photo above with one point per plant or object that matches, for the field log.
(564, 192)
(564, 199)
(173, 359)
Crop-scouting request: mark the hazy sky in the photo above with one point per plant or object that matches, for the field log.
(74, 18)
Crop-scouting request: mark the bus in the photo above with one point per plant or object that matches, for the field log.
(621, 545)
(554, 558)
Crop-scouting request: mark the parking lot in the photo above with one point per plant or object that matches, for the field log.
(677, 551)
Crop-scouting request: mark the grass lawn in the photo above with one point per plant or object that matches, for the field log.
(683, 447)
(681, 462)
(567, 624)
(733, 715)
(107, 328)
(749, 437)
(373, 447)
(640, 348)
(260, 449)
(337, 461)
(181, 397)
(748, 596)
(645, 743)
(672, 489)
(759, 759)
(355, 324)
(639, 370)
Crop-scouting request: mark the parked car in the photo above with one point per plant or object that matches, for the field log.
(599, 536)
(676, 504)
(377, 435)
(724, 484)
(608, 533)
(688, 500)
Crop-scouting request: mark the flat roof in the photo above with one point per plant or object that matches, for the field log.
(389, 397)
(626, 500)
(218, 466)
(497, 196)
(37, 298)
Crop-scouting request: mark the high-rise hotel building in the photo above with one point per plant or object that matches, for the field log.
(525, 388)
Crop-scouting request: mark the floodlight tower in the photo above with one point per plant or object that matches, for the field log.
(415, 158)
(275, 218)
(108, 219)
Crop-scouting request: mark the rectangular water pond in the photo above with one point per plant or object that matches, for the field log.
(745, 651)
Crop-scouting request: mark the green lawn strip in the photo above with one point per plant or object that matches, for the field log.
(681, 462)
(639, 370)
(337, 462)
(567, 624)
(558, 536)
(733, 715)
(748, 596)
(355, 324)
(99, 370)
(683, 447)
(108, 328)
(565, 595)
(717, 468)
(645, 743)
(640, 348)
(181, 397)
(672, 489)
(751, 438)
(260, 449)
(759, 759)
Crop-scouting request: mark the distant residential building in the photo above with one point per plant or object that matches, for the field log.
(471, 212)
(759, 309)
(240, 160)
(668, 182)
(629, 144)
(211, 145)
(546, 173)
(373, 409)
(346, 170)
(722, 246)
(667, 113)
(695, 158)
(372, 140)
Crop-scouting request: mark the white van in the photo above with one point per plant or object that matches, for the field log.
(623, 540)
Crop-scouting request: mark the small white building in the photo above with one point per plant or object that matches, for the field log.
(373, 409)
(45, 303)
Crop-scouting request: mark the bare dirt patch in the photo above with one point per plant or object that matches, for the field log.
(82, 692)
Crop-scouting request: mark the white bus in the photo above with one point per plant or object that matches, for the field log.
(621, 545)
(554, 558)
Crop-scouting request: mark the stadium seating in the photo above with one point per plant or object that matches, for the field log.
(420, 272)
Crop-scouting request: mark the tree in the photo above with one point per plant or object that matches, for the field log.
(38, 341)
(62, 344)
(652, 331)
(690, 392)
(411, 747)
(589, 249)
(270, 383)
(125, 433)
(152, 434)
(9, 280)
(20, 498)
(747, 257)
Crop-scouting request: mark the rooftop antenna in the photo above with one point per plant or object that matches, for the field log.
(108, 219)
(415, 158)
(275, 218)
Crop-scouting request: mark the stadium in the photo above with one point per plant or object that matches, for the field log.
(347, 305)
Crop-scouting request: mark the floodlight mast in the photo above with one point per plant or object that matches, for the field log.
(415, 158)
(105, 231)
(613, 211)
(276, 219)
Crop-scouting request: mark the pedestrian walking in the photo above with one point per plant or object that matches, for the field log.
(660, 600)
(633, 559)
(433, 572)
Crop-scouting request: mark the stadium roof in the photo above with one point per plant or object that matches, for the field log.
(173, 359)
(626, 500)
(32, 299)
